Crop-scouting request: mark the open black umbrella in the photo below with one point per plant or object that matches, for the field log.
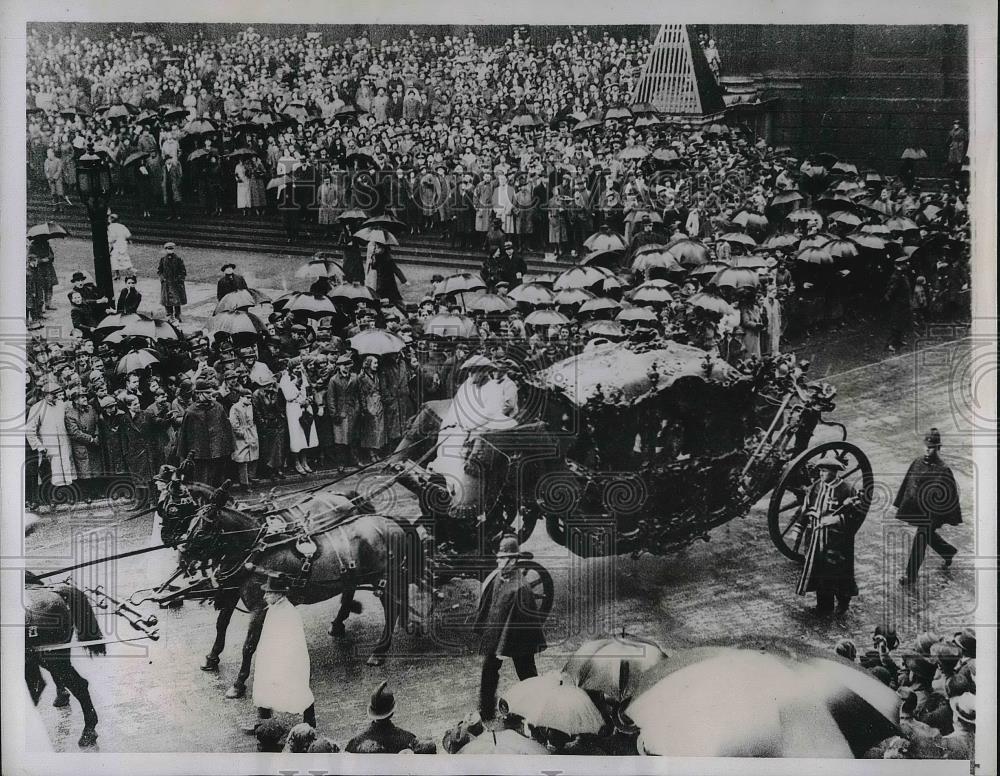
(138, 156)
(384, 222)
(241, 153)
(172, 112)
(47, 231)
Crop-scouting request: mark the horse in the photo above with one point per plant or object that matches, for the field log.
(361, 550)
(52, 613)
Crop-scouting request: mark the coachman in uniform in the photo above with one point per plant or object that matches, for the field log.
(928, 499)
(830, 509)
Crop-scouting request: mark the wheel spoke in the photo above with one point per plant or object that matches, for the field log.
(794, 503)
(788, 527)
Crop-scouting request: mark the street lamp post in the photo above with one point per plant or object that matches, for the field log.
(93, 180)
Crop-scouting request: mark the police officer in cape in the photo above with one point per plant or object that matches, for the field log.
(928, 499)
(830, 511)
(508, 623)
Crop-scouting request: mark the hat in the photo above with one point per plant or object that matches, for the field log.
(169, 246)
(77, 276)
(476, 362)
(889, 634)
(508, 244)
(274, 585)
(227, 266)
(51, 386)
(203, 385)
(846, 649)
(829, 462)
(932, 438)
(902, 260)
(383, 702)
(946, 654)
(920, 665)
(964, 707)
(508, 547)
(966, 640)
(345, 359)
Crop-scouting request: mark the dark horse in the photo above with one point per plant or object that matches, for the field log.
(51, 615)
(360, 551)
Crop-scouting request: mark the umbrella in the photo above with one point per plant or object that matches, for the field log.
(319, 268)
(913, 153)
(47, 231)
(604, 329)
(503, 742)
(802, 705)
(786, 198)
(490, 303)
(136, 361)
(876, 229)
(735, 277)
(661, 260)
(151, 329)
(636, 314)
(814, 255)
(634, 152)
(532, 294)
(545, 279)
(870, 241)
(650, 248)
(573, 296)
(717, 129)
(845, 167)
(651, 295)
(689, 253)
(117, 321)
(846, 187)
(610, 666)
(751, 221)
(117, 112)
(376, 342)
(825, 159)
(147, 117)
(804, 214)
(237, 322)
(233, 301)
(197, 154)
(605, 240)
(666, 155)
(599, 303)
(199, 127)
(347, 111)
(752, 262)
(711, 302)
(171, 112)
(309, 305)
(586, 124)
(450, 326)
(638, 215)
(648, 121)
(552, 701)
(462, 281)
(817, 240)
(277, 183)
(352, 292)
(581, 277)
(644, 109)
(608, 257)
(901, 224)
(139, 156)
(369, 234)
(526, 120)
(546, 318)
(241, 152)
(360, 157)
(384, 222)
(845, 218)
(617, 114)
(353, 215)
(711, 269)
(841, 249)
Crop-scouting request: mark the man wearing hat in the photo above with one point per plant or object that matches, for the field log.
(343, 406)
(172, 272)
(269, 416)
(229, 282)
(206, 434)
(382, 736)
(85, 442)
(830, 512)
(49, 441)
(928, 499)
(282, 669)
(961, 742)
(897, 297)
(508, 623)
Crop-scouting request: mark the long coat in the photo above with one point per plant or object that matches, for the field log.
(372, 434)
(829, 562)
(112, 450)
(205, 432)
(897, 297)
(483, 197)
(343, 407)
(507, 617)
(170, 184)
(246, 446)
(281, 675)
(928, 495)
(396, 397)
(135, 443)
(85, 442)
(172, 272)
(46, 428)
(296, 404)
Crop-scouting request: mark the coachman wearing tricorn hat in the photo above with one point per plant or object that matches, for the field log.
(830, 512)
(928, 499)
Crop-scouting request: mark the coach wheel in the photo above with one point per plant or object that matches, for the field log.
(539, 581)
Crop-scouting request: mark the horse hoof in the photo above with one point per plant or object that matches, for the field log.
(62, 699)
(337, 629)
(236, 692)
(88, 738)
(210, 666)
(376, 660)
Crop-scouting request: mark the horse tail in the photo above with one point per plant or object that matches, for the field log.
(82, 615)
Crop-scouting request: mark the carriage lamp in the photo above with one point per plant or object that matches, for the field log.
(93, 180)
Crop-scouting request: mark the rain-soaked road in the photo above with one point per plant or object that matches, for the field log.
(154, 698)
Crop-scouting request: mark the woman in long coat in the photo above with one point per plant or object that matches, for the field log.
(247, 446)
(172, 272)
(372, 434)
(258, 185)
(301, 424)
(242, 187)
(381, 273)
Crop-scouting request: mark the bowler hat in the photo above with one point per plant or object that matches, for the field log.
(203, 385)
(509, 547)
(829, 462)
(169, 246)
(964, 707)
(77, 276)
(966, 640)
(383, 702)
(932, 438)
(227, 266)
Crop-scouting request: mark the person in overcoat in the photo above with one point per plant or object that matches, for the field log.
(928, 499)
(294, 386)
(206, 434)
(830, 509)
(382, 736)
(246, 447)
(382, 272)
(129, 298)
(269, 416)
(372, 436)
(170, 185)
(172, 272)
(483, 198)
(508, 623)
(135, 444)
(396, 397)
(343, 406)
(85, 443)
(47, 436)
(109, 420)
(897, 297)
(230, 281)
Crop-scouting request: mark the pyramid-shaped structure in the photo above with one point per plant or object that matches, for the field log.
(676, 78)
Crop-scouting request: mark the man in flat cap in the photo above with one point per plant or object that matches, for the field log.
(206, 434)
(172, 273)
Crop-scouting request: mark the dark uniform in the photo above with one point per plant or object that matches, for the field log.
(897, 297)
